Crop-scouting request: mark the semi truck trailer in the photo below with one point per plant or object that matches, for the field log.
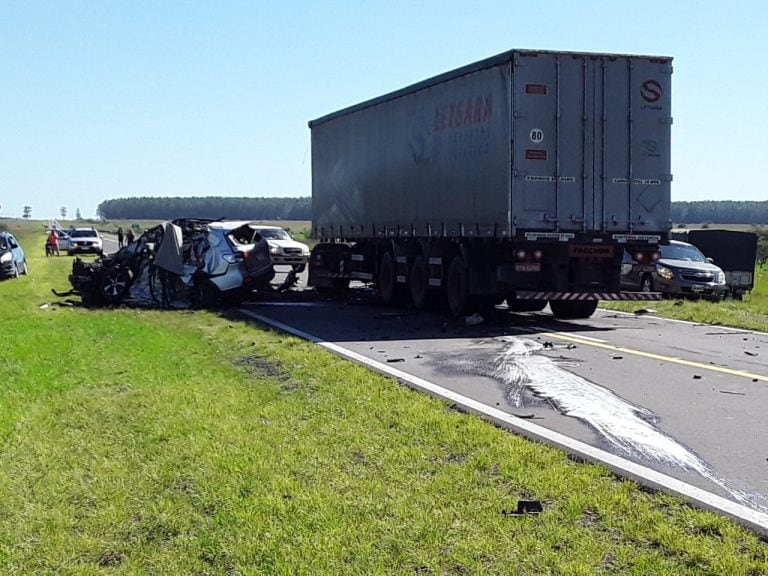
(523, 177)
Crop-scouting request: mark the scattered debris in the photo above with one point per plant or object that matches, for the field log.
(390, 360)
(474, 320)
(732, 392)
(617, 357)
(548, 344)
(527, 416)
(697, 377)
(749, 353)
(418, 356)
(571, 346)
(645, 311)
(525, 507)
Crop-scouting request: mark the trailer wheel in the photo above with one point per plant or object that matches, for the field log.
(386, 279)
(419, 281)
(570, 309)
(457, 286)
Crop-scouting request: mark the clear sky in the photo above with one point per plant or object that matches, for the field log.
(112, 98)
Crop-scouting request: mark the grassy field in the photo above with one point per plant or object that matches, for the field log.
(151, 442)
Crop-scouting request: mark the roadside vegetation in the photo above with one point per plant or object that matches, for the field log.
(138, 441)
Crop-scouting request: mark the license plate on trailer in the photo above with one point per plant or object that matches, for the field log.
(527, 267)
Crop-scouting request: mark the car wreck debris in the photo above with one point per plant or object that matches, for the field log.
(179, 264)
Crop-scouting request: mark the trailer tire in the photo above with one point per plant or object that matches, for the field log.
(457, 286)
(386, 280)
(419, 281)
(572, 309)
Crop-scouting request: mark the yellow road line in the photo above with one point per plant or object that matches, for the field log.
(671, 359)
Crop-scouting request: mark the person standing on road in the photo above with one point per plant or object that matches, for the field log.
(120, 237)
(129, 237)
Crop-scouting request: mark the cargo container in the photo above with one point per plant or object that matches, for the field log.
(734, 251)
(520, 177)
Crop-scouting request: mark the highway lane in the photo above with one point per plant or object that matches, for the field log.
(683, 399)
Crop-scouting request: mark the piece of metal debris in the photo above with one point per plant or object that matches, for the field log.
(525, 507)
(732, 392)
(617, 357)
(697, 377)
(749, 353)
(395, 360)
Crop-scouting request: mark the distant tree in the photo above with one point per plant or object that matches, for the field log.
(146, 208)
(77, 214)
(27, 212)
(63, 212)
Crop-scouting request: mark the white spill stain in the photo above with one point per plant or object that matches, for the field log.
(630, 428)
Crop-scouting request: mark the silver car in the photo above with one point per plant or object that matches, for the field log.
(681, 270)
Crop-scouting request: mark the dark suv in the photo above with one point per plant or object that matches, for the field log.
(681, 270)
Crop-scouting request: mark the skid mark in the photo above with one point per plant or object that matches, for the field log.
(629, 428)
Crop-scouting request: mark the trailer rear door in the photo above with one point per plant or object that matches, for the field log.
(591, 140)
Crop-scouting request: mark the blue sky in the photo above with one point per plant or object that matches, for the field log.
(104, 99)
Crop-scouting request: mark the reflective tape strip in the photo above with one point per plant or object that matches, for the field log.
(435, 261)
(435, 282)
(582, 296)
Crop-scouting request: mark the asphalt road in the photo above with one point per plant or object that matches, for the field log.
(683, 399)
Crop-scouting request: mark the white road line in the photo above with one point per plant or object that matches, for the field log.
(747, 517)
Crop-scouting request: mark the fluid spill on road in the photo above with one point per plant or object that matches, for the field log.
(629, 428)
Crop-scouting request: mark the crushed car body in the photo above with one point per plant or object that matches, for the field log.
(179, 264)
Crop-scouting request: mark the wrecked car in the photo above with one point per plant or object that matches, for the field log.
(179, 264)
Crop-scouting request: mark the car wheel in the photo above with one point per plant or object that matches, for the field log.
(299, 268)
(204, 295)
(115, 285)
(646, 283)
(457, 286)
(571, 309)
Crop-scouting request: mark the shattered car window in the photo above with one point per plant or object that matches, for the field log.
(244, 235)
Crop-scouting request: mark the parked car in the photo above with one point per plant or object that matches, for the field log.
(12, 259)
(84, 241)
(681, 270)
(734, 251)
(285, 251)
(186, 262)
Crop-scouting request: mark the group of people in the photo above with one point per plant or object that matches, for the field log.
(52, 241)
(124, 239)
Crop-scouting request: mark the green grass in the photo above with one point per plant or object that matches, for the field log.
(151, 442)
(750, 313)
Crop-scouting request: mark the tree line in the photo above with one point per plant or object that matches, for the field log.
(720, 212)
(243, 208)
